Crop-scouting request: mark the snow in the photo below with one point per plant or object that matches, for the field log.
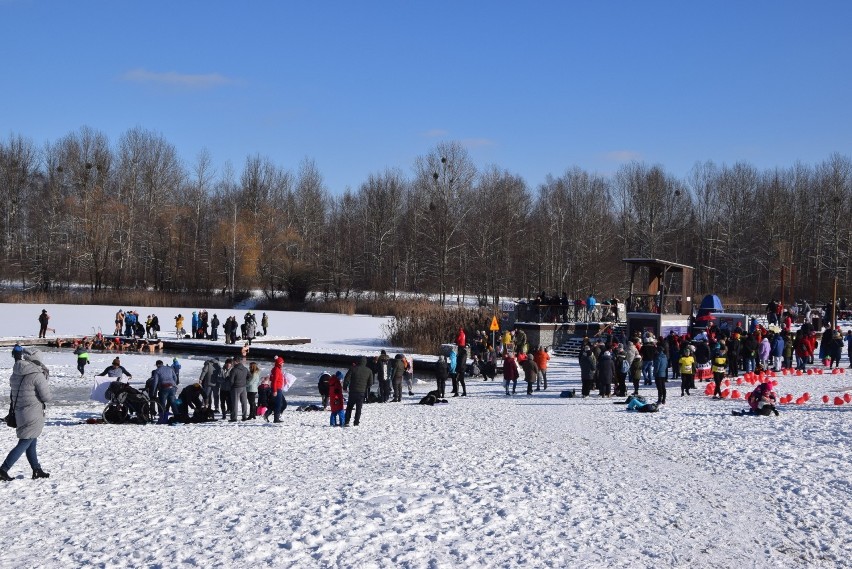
(484, 481)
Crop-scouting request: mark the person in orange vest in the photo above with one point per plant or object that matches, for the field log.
(541, 358)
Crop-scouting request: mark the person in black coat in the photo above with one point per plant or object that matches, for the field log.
(214, 328)
(322, 386)
(588, 366)
(461, 369)
(191, 397)
(734, 348)
(442, 373)
(606, 372)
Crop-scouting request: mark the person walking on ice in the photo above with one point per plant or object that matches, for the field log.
(29, 391)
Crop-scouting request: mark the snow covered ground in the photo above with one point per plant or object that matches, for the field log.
(484, 481)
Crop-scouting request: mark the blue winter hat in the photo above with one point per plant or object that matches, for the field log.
(338, 375)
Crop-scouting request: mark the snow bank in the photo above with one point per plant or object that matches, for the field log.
(485, 481)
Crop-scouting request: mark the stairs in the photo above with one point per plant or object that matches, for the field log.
(571, 346)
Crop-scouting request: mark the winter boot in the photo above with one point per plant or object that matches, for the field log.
(4, 476)
(39, 473)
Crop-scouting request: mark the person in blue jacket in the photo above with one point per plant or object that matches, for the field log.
(195, 323)
(638, 403)
(777, 351)
(176, 368)
(661, 366)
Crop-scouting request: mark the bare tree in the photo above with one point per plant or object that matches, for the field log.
(446, 175)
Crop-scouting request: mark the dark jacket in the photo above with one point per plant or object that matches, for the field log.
(588, 365)
(323, 383)
(211, 374)
(648, 352)
(239, 376)
(530, 369)
(510, 369)
(360, 377)
(398, 368)
(606, 369)
(442, 370)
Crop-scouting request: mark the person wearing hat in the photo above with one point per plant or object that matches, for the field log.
(335, 400)
(43, 319)
(116, 370)
(29, 392)
(835, 349)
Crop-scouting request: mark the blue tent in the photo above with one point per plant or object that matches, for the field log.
(710, 304)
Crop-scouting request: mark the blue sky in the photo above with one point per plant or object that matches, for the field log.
(360, 86)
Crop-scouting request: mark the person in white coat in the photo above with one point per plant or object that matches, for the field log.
(29, 393)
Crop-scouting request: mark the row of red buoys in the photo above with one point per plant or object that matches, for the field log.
(753, 378)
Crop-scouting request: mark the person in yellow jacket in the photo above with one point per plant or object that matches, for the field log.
(720, 366)
(687, 371)
(507, 342)
(181, 332)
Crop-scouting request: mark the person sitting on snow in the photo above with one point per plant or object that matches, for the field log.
(761, 401)
(638, 403)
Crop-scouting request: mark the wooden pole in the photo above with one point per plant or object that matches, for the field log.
(834, 305)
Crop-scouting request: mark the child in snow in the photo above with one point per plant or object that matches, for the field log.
(687, 371)
(720, 366)
(761, 401)
(335, 400)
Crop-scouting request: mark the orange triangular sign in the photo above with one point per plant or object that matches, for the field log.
(495, 327)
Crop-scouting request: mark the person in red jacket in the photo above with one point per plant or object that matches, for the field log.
(335, 400)
(510, 373)
(277, 379)
(461, 339)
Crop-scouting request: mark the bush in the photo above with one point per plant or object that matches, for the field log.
(426, 326)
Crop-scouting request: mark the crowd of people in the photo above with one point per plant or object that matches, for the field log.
(133, 328)
(608, 364)
(238, 390)
(546, 308)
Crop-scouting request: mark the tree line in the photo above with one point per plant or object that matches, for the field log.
(130, 214)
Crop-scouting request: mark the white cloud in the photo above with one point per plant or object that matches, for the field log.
(175, 79)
